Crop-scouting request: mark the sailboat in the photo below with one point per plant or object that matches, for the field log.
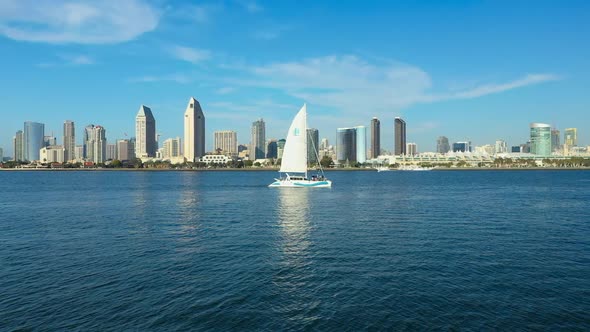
(294, 163)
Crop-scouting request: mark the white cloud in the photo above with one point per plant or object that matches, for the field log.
(225, 90)
(176, 78)
(81, 21)
(251, 6)
(188, 54)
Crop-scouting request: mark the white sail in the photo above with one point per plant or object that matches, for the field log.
(295, 151)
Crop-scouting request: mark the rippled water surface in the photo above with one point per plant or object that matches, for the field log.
(219, 250)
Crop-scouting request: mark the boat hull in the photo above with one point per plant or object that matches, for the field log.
(301, 184)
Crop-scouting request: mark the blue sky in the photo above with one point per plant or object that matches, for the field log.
(477, 70)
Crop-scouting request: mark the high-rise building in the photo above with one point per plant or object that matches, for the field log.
(442, 144)
(346, 145)
(281, 147)
(271, 149)
(226, 141)
(111, 152)
(257, 140)
(324, 144)
(462, 147)
(487, 149)
(145, 133)
(86, 139)
(540, 139)
(516, 149)
(125, 150)
(33, 140)
(555, 141)
(69, 140)
(96, 144)
(571, 137)
(313, 140)
(171, 148)
(79, 153)
(194, 131)
(375, 138)
(412, 149)
(361, 144)
(17, 143)
(500, 147)
(399, 134)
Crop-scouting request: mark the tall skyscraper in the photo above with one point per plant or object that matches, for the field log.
(571, 137)
(226, 141)
(111, 152)
(442, 144)
(88, 130)
(500, 147)
(271, 149)
(171, 148)
(313, 140)
(281, 147)
(346, 145)
(399, 129)
(194, 131)
(19, 154)
(33, 136)
(96, 144)
(361, 144)
(257, 140)
(375, 138)
(555, 142)
(69, 140)
(412, 149)
(540, 139)
(49, 140)
(145, 133)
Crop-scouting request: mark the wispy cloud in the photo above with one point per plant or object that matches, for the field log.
(225, 90)
(176, 78)
(202, 13)
(84, 22)
(68, 60)
(270, 32)
(189, 54)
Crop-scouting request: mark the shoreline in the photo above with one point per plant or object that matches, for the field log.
(445, 169)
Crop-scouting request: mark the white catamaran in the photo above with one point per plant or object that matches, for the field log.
(294, 161)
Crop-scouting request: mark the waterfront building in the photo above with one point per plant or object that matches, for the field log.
(487, 149)
(346, 145)
(33, 136)
(214, 158)
(194, 131)
(96, 144)
(52, 154)
(313, 145)
(442, 144)
(361, 144)
(69, 140)
(257, 140)
(375, 138)
(226, 141)
(462, 146)
(324, 144)
(171, 148)
(412, 149)
(571, 137)
(525, 148)
(271, 149)
(540, 139)
(516, 149)
(17, 146)
(242, 147)
(125, 150)
(555, 142)
(501, 147)
(399, 133)
(280, 147)
(145, 133)
(111, 152)
(1, 155)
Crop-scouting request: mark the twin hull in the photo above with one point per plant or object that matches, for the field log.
(301, 184)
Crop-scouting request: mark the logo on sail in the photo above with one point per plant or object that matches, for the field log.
(296, 132)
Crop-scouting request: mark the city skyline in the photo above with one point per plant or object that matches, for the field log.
(256, 71)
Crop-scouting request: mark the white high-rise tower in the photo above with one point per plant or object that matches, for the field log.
(145, 133)
(194, 131)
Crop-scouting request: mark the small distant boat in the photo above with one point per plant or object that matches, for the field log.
(294, 161)
(383, 169)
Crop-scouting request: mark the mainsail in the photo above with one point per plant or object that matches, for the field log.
(295, 151)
